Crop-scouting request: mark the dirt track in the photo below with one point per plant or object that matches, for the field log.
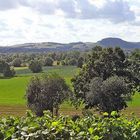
(21, 110)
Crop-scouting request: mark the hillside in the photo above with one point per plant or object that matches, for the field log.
(113, 42)
(81, 46)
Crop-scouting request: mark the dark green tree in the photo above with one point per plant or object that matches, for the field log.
(80, 62)
(72, 62)
(107, 95)
(3, 64)
(135, 55)
(104, 63)
(48, 61)
(16, 62)
(6, 70)
(35, 66)
(63, 63)
(46, 93)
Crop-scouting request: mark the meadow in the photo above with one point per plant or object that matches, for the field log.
(12, 91)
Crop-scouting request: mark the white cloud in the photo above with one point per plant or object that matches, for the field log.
(68, 20)
(113, 10)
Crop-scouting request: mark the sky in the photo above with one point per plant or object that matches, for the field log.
(25, 21)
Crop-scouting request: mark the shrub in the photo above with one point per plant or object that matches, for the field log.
(72, 62)
(8, 72)
(35, 66)
(64, 128)
(16, 62)
(46, 93)
(80, 62)
(107, 95)
(48, 62)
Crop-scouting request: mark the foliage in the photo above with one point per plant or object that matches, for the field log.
(46, 93)
(35, 66)
(48, 61)
(26, 58)
(6, 70)
(85, 128)
(3, 64)
(72, 62)
(135, 55)
(104, 63)
(63, 63)
(17, 62)
(80, 62)
(107, 95)
(135, 64)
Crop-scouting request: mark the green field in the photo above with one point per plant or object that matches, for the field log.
(135, 101)
(12, 90)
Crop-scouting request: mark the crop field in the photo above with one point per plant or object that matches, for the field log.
(12, 91)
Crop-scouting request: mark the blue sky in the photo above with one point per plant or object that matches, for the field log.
(63, 21)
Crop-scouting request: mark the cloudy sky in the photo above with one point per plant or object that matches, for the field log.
(68, 20)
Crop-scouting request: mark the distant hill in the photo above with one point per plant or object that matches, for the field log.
(81, 46)
(113, 42)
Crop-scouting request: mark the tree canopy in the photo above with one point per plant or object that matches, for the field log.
(6, 70)
(35, 66)
(104, 63)
(46, 93)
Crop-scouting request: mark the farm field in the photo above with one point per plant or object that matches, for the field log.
(12, 91)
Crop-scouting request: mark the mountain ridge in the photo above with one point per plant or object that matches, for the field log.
(81, 46)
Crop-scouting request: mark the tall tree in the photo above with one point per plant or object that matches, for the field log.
(104, 63)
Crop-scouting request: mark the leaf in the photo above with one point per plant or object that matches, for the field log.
(114, 113)
(105, 114)
(91, 130)
(54, 124)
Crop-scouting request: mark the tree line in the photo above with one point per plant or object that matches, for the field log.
(35, 61)
(46, 59)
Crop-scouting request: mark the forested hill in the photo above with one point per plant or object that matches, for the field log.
(81, 46)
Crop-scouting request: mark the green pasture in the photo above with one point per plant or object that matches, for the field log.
(135, 100)
(12, 90)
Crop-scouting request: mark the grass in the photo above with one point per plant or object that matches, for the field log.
(12, 91)
(135, 101)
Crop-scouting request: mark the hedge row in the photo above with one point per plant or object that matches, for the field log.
(89, 127)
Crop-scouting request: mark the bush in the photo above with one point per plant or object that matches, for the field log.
(64, 128)
(72, 62)
(8, 72)
(46, 93)
(48, 62)
(16, 62)
(107, 95)
(80, 62)
(63, 63)
(35, 66)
